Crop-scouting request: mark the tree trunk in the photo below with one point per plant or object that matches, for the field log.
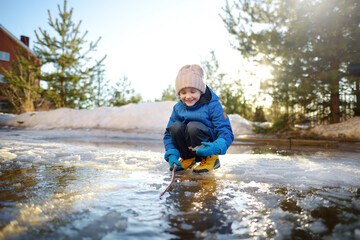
(335, 95)
(27, 106)
(62, 97)
(335, 107)
(357, 94)
(62, 94)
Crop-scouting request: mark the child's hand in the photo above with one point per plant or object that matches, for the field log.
(212, 148)
(173, 159)
(172, 156)
(206, 150)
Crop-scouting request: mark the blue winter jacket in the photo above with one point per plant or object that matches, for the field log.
(208, 111)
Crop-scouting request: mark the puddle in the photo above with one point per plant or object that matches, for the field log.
(56, 189)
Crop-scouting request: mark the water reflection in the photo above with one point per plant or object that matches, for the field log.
(195, 209)
(46, 205)
(211, 208)
(279, 148)
(29, 198)
(318, 213)
(14, 184)
(108, 193)
(206, 207)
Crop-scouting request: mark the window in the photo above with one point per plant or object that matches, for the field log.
(4, 56)
(1, 78)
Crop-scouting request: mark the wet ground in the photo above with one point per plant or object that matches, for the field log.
(65, 184)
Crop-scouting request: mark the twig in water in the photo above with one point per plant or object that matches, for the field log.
(172, 180)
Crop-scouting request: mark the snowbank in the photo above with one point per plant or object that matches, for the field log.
(142, 117)
(349, 129)
(240, 125)
(5, 117)
(147, 118)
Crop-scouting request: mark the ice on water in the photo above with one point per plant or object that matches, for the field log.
(322, 169)
(82, 173)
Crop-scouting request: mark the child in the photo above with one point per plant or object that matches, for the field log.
(198, 129)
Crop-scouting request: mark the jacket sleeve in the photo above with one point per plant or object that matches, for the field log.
(221, 123)
(168, 141)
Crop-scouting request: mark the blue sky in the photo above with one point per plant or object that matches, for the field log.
(148, 41)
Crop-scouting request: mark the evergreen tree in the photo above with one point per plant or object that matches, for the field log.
(101, 86)
(215, 79)
(309, 44)
(259, 115)
(231, 93)
(123, 94)
(21, 86)
(168, 94)
(69, 69)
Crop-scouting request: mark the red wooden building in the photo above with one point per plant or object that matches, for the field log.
(9, 45)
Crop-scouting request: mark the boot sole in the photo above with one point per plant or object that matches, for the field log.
(216, 165)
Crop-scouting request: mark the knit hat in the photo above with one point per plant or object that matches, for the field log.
(190, 76)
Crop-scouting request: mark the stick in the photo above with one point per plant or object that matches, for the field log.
(172, 180)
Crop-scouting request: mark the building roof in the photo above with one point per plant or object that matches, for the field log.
(16, 39)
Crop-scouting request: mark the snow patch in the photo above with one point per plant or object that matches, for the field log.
(349, 129)
(147, 118)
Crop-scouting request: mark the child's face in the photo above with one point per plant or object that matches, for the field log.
(190, 96)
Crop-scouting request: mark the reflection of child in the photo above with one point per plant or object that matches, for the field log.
(198, 127)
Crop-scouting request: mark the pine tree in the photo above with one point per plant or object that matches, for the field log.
(102, 89)
(308, 43)
(259, 115)
(68, 68)
(231, 93)
(21, 82)
(123, 94)
(168, 94)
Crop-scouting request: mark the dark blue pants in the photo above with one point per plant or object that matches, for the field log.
(187, 137)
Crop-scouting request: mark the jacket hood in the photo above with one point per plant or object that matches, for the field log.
(208, 96)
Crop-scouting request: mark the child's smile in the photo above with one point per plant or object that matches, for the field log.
(190, 96)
